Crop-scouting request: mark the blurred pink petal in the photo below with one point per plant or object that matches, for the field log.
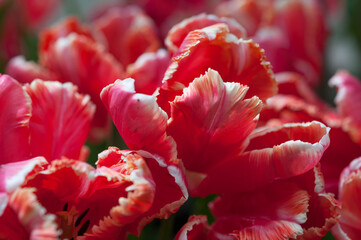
(129, 33)
(149, 71)
(27, 71)
(78, 59)
(348, 101)
(15, 108)
(349, 195)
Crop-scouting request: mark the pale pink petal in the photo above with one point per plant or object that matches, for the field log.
(129, 33)
(13, 175)
(348, 101)
(60, 121)
(26, 218)
(139, 120)
(249, 13)
(273, 153)
(149, 71)
(26, 71)
(179, 31)
(214, 47)
(15, 108)
(211, 121)
(195, 229)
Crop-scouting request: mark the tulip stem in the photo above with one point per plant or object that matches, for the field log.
(166, 228)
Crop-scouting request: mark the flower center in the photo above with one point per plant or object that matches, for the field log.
(70, 222)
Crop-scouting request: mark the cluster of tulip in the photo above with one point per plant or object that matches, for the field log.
(211, 98)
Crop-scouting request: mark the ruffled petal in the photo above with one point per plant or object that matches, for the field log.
(15, 108)
(25, 218)
(211, 121)
(282, 109)
(92, 197)
(167, 180)
(214, 47)
(324, 210)
(350, 197)
(129, 33)
(86, 64)
(26, 71)
(179, 31)
(274, 212)
(13, 175)
(195, 228)
(60, 121)
(273, 153)
(139, 120)
(149, 71)
(69, 25)
(348, 101)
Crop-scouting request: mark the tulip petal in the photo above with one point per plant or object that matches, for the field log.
(194, 229)
(87, 65)
(61, 119)
(169, 185)
(129, 33)
(139, 120)
(179, 31)
(149, 71)
(26, 71)
(236, 60)
(274, 212)
(348, 101)
(69, 25)
(211, 121)
(12, 175)
(273, 153)
(15, 108)
(25, 218)
(324, 210)
(349, 195)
